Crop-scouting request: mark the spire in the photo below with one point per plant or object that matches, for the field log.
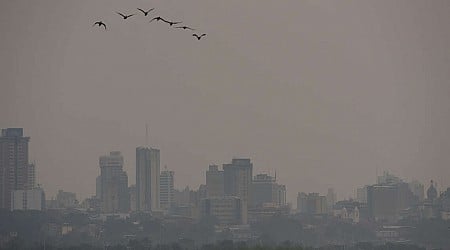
(146, 134)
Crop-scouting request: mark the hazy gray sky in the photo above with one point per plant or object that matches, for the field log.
(325, 92)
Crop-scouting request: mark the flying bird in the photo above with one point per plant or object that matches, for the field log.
(171, 23)
(199, 36)
(184, 27)
(145, 12)
(158, 18)
(100, 23)
(125, 16)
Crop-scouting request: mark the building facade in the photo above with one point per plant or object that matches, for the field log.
(312, 204)
(114, 193)
(167, 190)
(31, 199)
(223, 210)
(147, 179)
(361, 194)
(214, 182)
(238, 177)
(15, 171)
(66, 199)
(266, 191)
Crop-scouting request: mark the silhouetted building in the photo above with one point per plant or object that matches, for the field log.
(187, 202)
(167, 191)
(385, 202)
(266, 191)
(430, 206)
(66, 199)
(224, 210)
(214, 182)
(238, 181)
(431, 192)
(350, 210)
(312, 204)
(114, 184)
(417, 189)
(388, 179)
(147, 179)
(382, 202)
(15, 171)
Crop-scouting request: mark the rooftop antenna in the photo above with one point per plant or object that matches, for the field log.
(146, 134)
(376, 174)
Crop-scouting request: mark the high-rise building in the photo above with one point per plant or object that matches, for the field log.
(15, 171)
(147, 179)
(214, 182)
(166, 189)
(114, 193)
(266, 191)
(331, 199)
(238, 181)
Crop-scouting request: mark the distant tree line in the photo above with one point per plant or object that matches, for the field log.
(222, 245)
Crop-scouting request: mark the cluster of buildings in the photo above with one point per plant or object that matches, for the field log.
(387, 202)
(231, 195)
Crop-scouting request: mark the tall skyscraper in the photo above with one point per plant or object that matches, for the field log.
(113, 184)
(167, 191)
(238, 181)
(214, 182)
(147, 179)
(15, 171)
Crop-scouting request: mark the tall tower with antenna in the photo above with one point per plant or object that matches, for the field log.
(147, 177)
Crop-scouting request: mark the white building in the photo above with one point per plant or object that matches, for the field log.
(33, 199)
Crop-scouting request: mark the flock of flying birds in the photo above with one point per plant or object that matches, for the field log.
(157, 18)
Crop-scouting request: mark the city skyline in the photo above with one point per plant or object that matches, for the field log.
(326, 93)
(236, 179)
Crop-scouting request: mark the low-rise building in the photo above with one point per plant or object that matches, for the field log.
(226, 210)
(32, 199)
